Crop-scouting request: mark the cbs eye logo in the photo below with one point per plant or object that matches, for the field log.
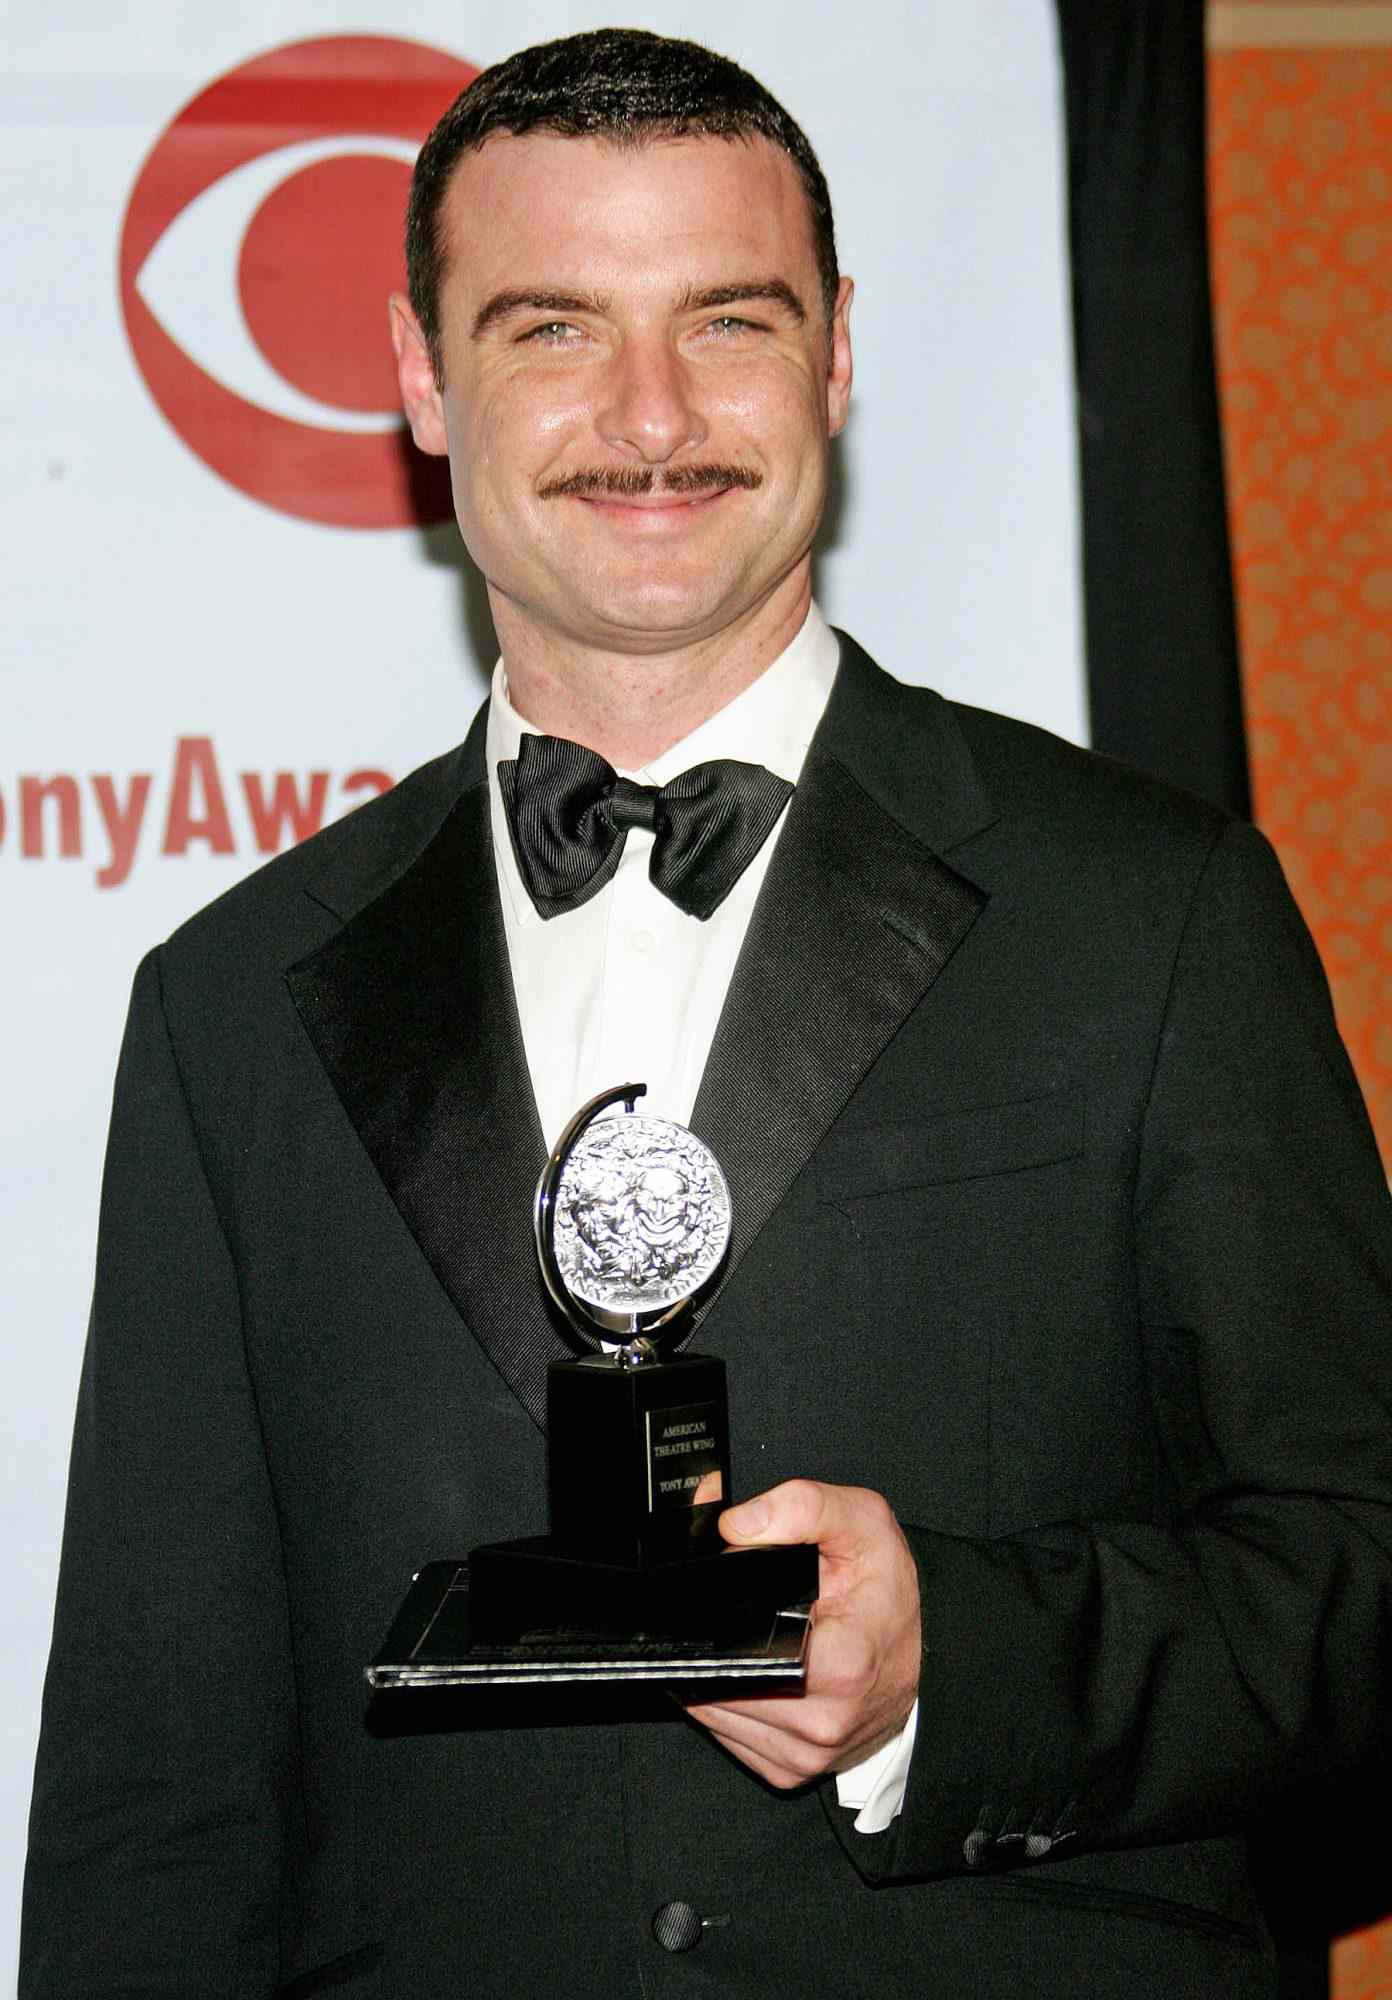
(260, 242)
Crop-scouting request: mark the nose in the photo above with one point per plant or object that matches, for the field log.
(648, 407)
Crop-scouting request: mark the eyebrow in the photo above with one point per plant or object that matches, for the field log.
(707, 299)
(504, 303)
(776, 290)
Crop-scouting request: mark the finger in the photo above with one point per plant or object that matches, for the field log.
(763, 1712)
(773, 1774)
(801, 1740)
(841, 1656)
(792, 1512)
(836, 1661)
(840, 1663)
(840, 1519)
(791, 1755)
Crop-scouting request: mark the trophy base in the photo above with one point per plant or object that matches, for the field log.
(433, 1648)
(538, 1585)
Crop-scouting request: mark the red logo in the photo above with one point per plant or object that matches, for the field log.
(261, 239)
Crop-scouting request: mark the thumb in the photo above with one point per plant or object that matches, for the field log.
(800, 1510)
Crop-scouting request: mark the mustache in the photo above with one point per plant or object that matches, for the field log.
(631, 482)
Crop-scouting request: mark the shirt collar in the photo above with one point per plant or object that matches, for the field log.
(771, 722)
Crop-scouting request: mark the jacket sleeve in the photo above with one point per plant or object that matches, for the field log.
(165, 1764)
(1100, 1684)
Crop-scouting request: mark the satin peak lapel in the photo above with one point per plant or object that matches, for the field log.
(411, 1011)
(857, 917)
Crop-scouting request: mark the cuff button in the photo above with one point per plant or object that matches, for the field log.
(677, 1927)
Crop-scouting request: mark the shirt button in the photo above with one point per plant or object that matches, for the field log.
(643, 941)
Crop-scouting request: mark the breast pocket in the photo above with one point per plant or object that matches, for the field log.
(870, 1162)
(935, 1247)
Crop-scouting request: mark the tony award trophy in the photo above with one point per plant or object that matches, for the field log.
(632, 1221)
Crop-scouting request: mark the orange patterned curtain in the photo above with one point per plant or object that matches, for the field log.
(1300, 172)
(1301, 201)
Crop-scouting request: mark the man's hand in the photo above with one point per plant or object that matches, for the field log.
(862, 1662)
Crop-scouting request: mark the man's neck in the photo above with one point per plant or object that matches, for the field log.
(630, 707)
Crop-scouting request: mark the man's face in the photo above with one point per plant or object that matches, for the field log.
(639, 385)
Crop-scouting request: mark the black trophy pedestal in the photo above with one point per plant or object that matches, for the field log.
(639, 1470)
(526, 1589)
(637, 1459)
(432, 1648)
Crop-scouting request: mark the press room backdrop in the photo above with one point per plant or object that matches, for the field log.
(235, 603)
(232, 611)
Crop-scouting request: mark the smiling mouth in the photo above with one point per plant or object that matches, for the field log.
(644, 487)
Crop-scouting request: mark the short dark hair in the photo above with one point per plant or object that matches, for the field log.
(621, 84)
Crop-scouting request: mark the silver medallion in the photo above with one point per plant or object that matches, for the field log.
(642, 1215)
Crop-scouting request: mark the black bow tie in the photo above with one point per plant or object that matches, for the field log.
(569, 814)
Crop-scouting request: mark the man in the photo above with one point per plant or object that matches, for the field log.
(1057, 1305)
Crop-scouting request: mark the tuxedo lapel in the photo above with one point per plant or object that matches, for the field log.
(411, 1011)
(410, 1005)
(857, 917)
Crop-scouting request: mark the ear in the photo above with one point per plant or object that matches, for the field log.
(415, 372)
(839, 366)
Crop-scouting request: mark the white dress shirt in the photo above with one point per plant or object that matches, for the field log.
(628, 988)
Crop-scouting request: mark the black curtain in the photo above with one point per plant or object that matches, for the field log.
(1164, 689)
(1163, 685)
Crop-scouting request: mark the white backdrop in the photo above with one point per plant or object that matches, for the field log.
(151, 604)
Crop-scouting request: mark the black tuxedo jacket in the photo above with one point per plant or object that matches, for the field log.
(1058, 1221)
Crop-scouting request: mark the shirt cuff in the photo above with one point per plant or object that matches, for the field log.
(876, 1786)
